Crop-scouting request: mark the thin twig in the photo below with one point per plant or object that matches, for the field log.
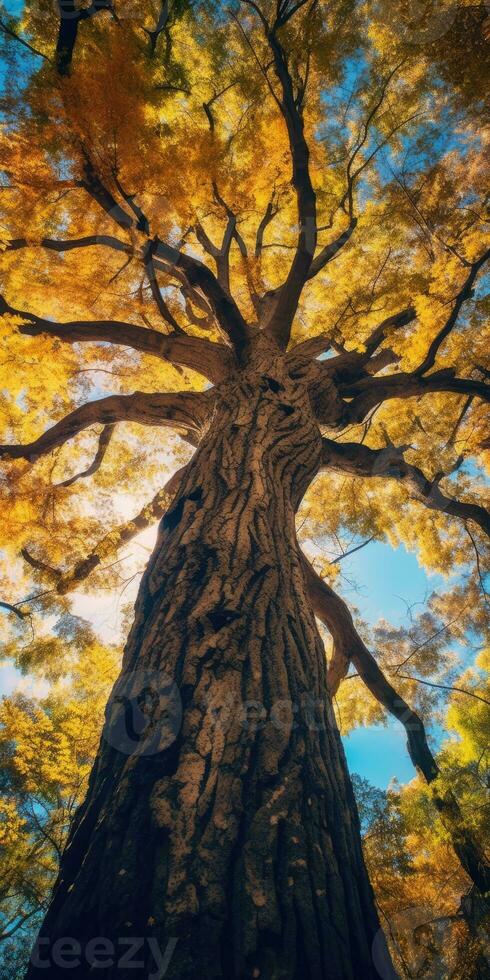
(445, 687)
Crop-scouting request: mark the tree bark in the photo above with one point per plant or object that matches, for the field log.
(226, 819)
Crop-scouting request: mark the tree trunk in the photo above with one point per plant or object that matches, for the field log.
(220, 812)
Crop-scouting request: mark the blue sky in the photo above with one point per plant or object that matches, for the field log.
(388, 579)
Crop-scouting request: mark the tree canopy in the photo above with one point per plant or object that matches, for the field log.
(175, 179)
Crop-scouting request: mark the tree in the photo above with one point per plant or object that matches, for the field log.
(48, 742)
(436, 921)
(211, 180)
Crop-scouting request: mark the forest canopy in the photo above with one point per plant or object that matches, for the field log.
(175, 180)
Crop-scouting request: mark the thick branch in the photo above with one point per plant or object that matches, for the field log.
(39, 565)
(227, 314)
(102, 447)
(68, 245)
(214, 98)
(302, 354)
(192, 298)
(205, 241)
(113, 541)
(70, 18)
(172, 261)
(231, 232)
(348, 366)
(333, 611)
(160, 26)
(389, 463)
(268, 216)
(286, 301)
(221, 254)
(401, 319)
(156, 292)
(209, 359)
(369, 392)
(13, 609)
(182, 411)
(142, 222)
(94, 186)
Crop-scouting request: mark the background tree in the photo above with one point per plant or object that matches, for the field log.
(285, 326)
(48, 742)
(438, 926)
